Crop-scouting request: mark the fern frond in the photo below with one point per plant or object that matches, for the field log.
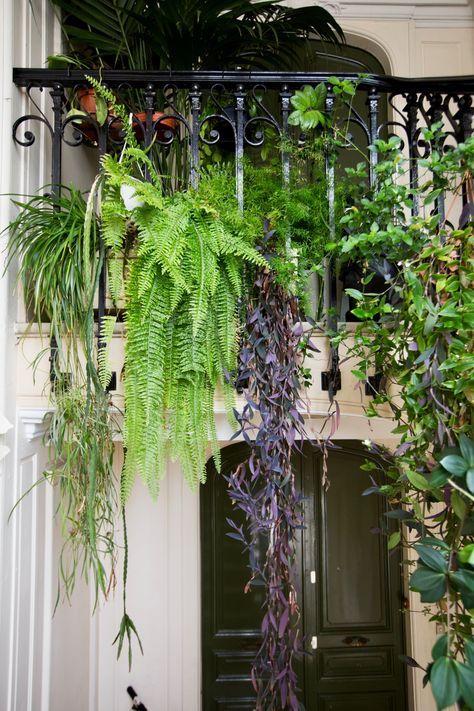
(104, 366)
(113, 224)
(115, 274)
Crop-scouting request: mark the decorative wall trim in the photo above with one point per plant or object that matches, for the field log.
(35, 422)
(425, 14)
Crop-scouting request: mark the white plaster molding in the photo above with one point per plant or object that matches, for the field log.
(334, 8)
(438, 14)
(35, 422)
(5, 425)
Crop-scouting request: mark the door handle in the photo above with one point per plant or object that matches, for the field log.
(355, 641)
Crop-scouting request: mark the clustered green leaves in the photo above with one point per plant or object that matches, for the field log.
(419, 334)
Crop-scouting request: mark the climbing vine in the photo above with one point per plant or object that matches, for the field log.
(418, 334)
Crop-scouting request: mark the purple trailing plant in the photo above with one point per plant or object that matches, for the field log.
(271, 423)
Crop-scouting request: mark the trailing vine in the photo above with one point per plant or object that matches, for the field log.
(263, 487)
(418, 334)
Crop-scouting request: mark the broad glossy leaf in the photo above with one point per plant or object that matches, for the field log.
(469, 649)
(466, 682)
(418, 481)
(440, 647)
(430, 584)
(394, 540)
(432, 558)
(438, 477)
(463, 580)
(470, 480)
(467, 449)
(454, 464)
(445, 682)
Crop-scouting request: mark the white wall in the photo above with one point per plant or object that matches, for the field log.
(33, 658)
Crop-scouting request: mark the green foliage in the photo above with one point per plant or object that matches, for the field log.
(185, 34)
(309, 106)
(80, 443)
(56, 239)
(181, 288)
(54, 264)
(418, 333)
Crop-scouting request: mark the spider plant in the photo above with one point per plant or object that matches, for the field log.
(57, 265)
(56, 240)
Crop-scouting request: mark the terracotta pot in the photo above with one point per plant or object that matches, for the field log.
(87, 103)
(86, 98)
(161, 128)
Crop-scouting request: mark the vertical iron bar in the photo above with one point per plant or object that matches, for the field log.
(57, 94)
(195, 96)
(285, 156)
(436, 116)
(285, 110)
(239, 145)
(330, 276)
(465, 131)
(467, 113)
(150, 95)
(411, 109)
(373, 103)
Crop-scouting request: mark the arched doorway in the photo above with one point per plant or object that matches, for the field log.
(350, 594)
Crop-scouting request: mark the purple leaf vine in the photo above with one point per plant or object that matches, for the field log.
(270, 362)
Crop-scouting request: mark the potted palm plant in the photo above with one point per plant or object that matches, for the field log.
(181, 34)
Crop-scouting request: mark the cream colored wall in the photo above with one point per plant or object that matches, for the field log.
(38, 657)
(412, 38)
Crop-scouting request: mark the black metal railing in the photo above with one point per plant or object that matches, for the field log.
(208, 108)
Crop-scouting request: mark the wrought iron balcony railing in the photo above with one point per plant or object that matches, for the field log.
(207, 108)
(391, 104)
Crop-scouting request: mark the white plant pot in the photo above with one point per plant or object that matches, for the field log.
(129, 197)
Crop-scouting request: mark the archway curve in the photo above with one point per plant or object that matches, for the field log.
(372, 43)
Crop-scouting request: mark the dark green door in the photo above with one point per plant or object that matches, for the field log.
(350, 594)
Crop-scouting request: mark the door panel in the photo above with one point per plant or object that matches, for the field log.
(352, 557)
(358, 702)
(349, 596)
(231, 619)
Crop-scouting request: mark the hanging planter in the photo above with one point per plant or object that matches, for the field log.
(95, 112)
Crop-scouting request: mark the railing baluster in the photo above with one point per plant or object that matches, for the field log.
(373, 99)
(466, 112)
(331, 379)
(285, 110)
(436, 115)
(150, 95)
(411, 109)
(57, 94)
(195, 96)
(239, 95)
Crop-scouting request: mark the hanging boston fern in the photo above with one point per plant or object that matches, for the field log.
(271, 423)
(181, 288)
